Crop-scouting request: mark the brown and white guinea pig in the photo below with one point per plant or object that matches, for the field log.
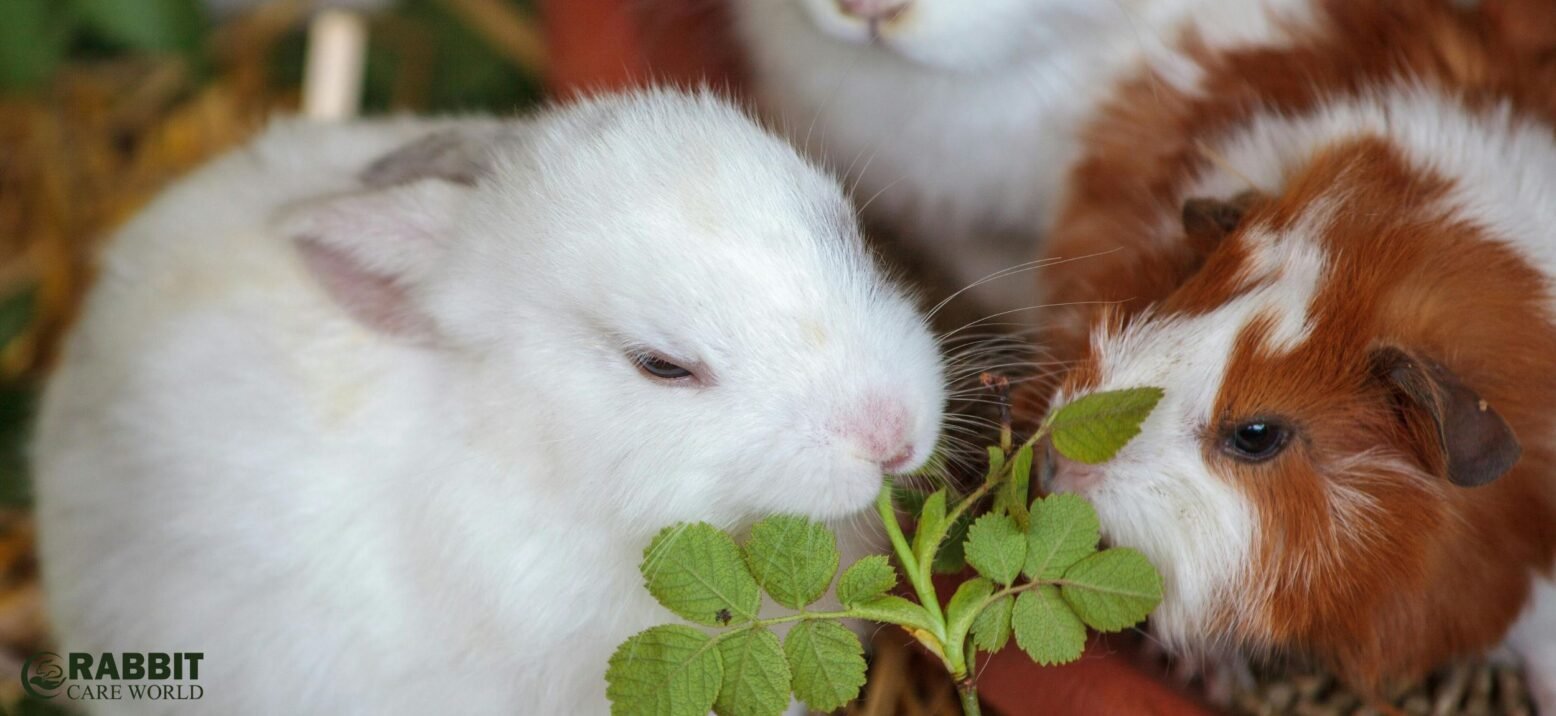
(1335, 252)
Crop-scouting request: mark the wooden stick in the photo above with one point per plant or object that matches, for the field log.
(332, 77)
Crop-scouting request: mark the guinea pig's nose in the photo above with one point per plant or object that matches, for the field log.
(879, 429)
(1061, 474)
(873, 10)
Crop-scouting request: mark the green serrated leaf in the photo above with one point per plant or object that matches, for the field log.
(1021, 466)
(1004, 500)
(1019, 487)
(996, 460)
(996, 548)
(756, 675)
(931, 526)
(792, 558)
(160, 25)
(1095, 427)
(991, 630)
(893, 609)
(827, 662)
(866, 579)
(1045, 627)
(1113, 589)
(951, 557)
(966, 604)
(696, 571)
(33, 37)
(670, 670)
(1064, 530)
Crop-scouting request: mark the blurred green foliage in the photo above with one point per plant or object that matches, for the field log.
(148, 25)
(469, 74)
(29, 706)
(18, 397)
(462, 72)
(466, 73)
(16, 410)
(36, 36)
(33, 38)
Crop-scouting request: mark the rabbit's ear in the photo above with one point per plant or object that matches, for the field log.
(371, 250)
(460, 156)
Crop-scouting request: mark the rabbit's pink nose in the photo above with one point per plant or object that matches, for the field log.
(880, 430)
(898, 462)
(873, 10)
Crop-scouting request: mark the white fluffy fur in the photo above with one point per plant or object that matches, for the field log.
(958, 126)
(1534, 638)
(347, 522)
(1289, 269)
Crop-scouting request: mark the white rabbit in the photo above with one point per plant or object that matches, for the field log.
(958, 119)
(380, 417)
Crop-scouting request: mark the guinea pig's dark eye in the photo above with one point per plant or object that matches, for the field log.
(1257, 440)
(658, 367)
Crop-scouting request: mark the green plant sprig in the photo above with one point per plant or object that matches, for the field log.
(1040, 580)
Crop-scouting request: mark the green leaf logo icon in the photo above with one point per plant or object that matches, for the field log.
(43, 674)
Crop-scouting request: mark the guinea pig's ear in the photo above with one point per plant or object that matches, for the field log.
(1207, 221)
(1472, 444)
(369, 250)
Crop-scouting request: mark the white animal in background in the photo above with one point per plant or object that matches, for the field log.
(958, 119)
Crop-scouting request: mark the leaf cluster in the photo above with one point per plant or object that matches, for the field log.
(699, 572)
(1041, 579)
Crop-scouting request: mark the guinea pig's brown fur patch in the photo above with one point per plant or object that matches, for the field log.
(1146, 144)
(1366, 559)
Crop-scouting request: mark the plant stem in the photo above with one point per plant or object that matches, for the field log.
(956, 653)
(967, 690)
(804, 616)
(994, 479)
(972, 497)
(920, 581)
(764, 623)
(1022, 587)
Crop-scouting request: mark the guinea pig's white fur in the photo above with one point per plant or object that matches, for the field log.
(957, 123)
(444, 512)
